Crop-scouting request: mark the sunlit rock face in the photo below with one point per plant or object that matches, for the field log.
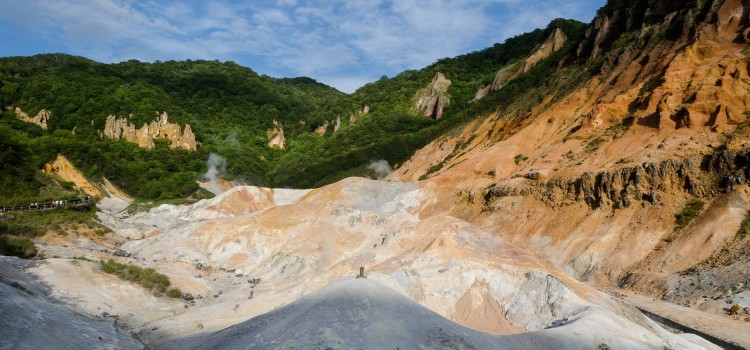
(40, 119)
(552, 44)
(433, 98)
(116, 128)
(276, 136)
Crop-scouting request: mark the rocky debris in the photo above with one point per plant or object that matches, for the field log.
(120, 252)
(63, 168)
(40, 119)
(554, 42)
(276, 136)
(546, 298)
(353, 117)
(117, 128)
(432, 99)
(735, 310)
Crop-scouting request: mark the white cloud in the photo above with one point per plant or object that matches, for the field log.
(339, 42)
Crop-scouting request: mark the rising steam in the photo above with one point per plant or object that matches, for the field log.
(381, 168)
(217, 165)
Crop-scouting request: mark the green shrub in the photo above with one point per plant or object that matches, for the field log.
(520, 158)
(21, 247)
(684, 217)
(174, 293)
(744, 227)
(594, 144)
(147, 278)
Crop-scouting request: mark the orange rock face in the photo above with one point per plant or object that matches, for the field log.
(530, 174)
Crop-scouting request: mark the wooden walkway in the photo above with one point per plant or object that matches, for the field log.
(81, 202)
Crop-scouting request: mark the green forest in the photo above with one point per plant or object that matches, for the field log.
(230, 108)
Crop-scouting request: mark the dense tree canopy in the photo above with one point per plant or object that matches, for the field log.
(230, 108)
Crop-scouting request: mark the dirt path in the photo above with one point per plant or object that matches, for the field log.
(719, 326)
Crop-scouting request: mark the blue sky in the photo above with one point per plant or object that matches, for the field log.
(344, 44)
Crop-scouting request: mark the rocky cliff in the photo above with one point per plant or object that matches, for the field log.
(40, 119)
(552, 44)
(432, 99)
(276, 136)
(594, 177)
(116, 128)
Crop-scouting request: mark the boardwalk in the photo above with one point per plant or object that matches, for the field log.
(80, 202)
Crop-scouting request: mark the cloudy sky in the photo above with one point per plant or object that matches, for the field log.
(344, 43)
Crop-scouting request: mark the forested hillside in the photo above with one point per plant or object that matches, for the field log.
(230, 108)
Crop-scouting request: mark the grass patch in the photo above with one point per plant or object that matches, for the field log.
(615, 129)
(145, 205)
(82, 258)
(18, 228)
(148, 278)
(520, 158)
(687, 214)
(744, 227)
(594, 144)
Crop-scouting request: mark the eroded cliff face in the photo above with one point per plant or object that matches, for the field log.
(117, 128)
(276, 136)
(552, 44)
(592, 179)
(432, 99)
(40, 119)
(64, 169)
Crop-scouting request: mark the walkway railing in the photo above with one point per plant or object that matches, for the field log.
(80, 202)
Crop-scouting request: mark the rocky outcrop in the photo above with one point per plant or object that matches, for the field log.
(117, 128)
(276, 136)
(353, 117)
(644, 183)
(673, 18)
(40, 119)
(337, 126)
(321, 130)
(554, 42)
(502, 77)
(545, 298)
(432, 99)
